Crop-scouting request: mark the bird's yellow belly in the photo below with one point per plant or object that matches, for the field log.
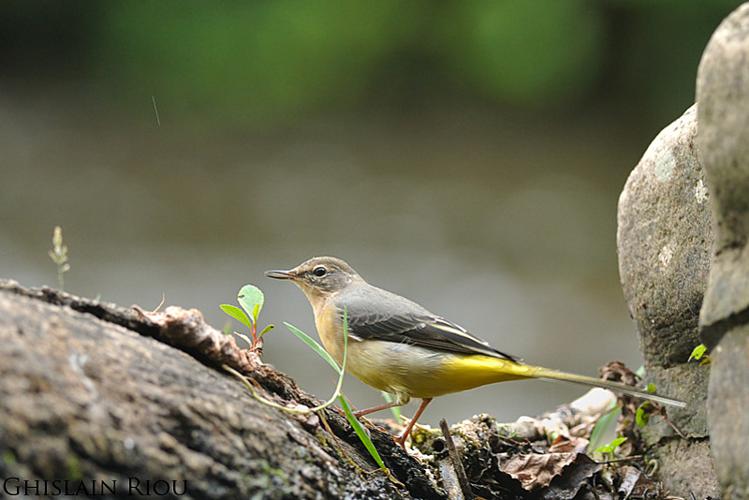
(422, 373)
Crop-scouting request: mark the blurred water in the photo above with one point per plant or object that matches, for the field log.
(504, 225)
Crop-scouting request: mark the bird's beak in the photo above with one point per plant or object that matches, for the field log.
(280, 274)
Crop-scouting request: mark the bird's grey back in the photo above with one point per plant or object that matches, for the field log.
(376, 314)
(369, 300)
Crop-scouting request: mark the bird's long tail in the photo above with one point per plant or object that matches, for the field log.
(606, 384)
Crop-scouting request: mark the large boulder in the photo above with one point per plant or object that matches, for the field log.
(723, 94)
(664, 239)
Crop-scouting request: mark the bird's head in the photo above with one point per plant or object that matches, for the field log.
(319, 276)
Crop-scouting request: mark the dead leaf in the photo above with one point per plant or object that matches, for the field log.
(573, 444)
(618, 371)
(536, 470)
(566, 485)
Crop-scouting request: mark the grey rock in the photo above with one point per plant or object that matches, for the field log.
(685, 469)
(663, 240)
(728, 402)
(723, 93)
(688, 383)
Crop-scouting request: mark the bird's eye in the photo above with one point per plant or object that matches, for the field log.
(319, 271)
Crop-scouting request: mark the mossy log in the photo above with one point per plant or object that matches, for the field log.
(104, 396)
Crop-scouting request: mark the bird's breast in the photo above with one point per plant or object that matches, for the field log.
(330, 329)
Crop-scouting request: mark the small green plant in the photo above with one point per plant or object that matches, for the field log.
(251, 299)
(59, 255)
(337, 394)
(699, 353)
(609, 449)
(341, 370)
(605, 426)
(642, 414)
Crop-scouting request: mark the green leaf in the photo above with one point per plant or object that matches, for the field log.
(237, 314)
(650, 388)
(698, 352)
(616, 443)
(642, 417)
(611, 447)
(251, 299)
(605, 426)
(395, 410)
(360, 432)
(266, 330)
(312, 343)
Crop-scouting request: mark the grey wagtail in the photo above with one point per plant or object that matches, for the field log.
(397, 346)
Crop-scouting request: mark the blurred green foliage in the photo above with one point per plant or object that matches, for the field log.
(269, 61)
(255, 59)
(531, 53)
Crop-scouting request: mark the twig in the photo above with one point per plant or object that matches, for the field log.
(673, 426)
(616, 460)
(455, 459)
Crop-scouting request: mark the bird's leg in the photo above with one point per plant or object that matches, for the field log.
(400, 400)
(401, 440)
(367, 411)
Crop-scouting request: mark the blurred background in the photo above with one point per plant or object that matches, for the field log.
(466, 154)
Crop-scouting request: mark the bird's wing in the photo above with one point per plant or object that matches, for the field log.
(394, 319)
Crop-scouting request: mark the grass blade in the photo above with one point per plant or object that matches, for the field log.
(315, 346)
(360, 432)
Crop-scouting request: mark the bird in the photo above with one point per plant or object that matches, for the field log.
(397, 346)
